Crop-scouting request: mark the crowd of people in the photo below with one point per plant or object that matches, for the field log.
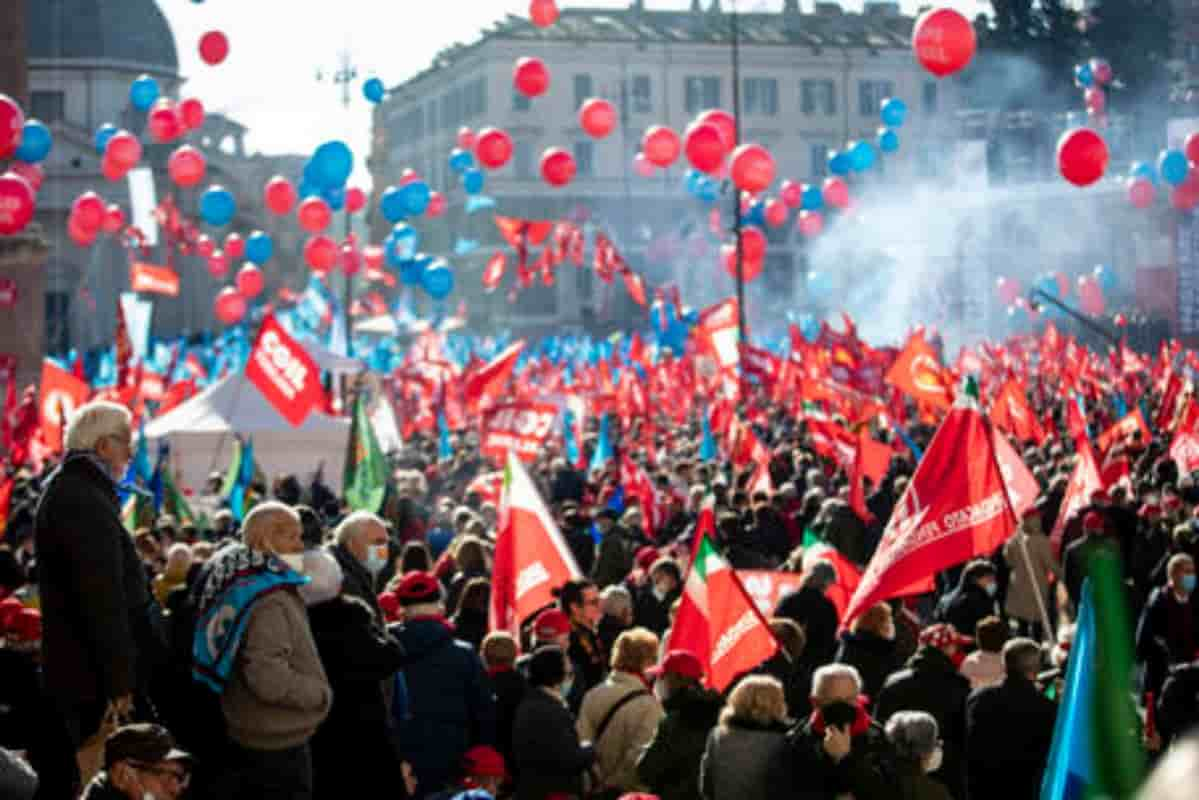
(313, 651)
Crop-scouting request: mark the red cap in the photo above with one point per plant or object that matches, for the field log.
(1172, 501)
(679, 662)
(646, 556)
(1150, 510)
(1093, 521)
(418, 587)
(943, 635)
(550, 624)
(482, 761)
(27, 626)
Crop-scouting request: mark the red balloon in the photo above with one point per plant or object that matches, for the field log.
(810, 223)
(705, 146)
(249, 281)
(661, 146)
(436, 205)
(1184, 197)
(1090, 296)
(557, 166)
(642, 166)
(597, 117)
(320, 253)
(776, 213)
(33, 173)
(372, 256)
(351, 261)
(114, 219)
(493, 148)
(1141, 193)
(235, 247)
(218, 265)
(791, 193)
(12, 125)
(16, 203)
(835, 193)
(164, 122)
(1101, 71)
(314, 214)
(1095, 100)
(543, 13)
(205, 247)
(753, 243)
(88, 209)
(1121, 321)
(752, 168)
(355, 199)
(191, 111)
(1063, 284)
(214, 47)
(79, 235)
(466, 138)
(229, 307)
(124, 150)
(751, 268)
(279, 195)
(1081, 156)
(943, 41)
(531, 77)
(725, 122)
(1009, 290)
(111, 170)
(187, 166)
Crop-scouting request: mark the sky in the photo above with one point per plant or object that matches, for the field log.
(269, 81)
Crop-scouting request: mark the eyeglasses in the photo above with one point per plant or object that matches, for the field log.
(180, 776)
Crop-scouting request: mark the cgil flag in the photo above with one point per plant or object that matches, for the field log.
(365, 476)
(532, 558)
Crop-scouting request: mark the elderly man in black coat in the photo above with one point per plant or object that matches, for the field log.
(98, 641)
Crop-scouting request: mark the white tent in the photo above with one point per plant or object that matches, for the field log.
(201, 433)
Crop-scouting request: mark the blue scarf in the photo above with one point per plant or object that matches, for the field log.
(234, 579)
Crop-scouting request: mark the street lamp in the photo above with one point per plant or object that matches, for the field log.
(1036, 297)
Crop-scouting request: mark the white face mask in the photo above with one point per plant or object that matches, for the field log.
(293, 560)
(376, 558)
(933, 762)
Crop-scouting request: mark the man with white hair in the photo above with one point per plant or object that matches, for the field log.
(838, 750)
(361, 550)
(97, 636)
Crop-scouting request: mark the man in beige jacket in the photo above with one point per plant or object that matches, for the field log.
(1029, 554)
(620, 732)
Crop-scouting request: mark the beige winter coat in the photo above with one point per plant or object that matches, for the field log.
(629, 732)
(1036, 565)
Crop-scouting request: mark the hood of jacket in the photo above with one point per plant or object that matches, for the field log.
(422, 636)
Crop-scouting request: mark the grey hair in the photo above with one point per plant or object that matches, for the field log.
(262, 521)
(326, 575)
(92, 422)
(914, 734)
(615, 600)
(355, 524)
(825, 675)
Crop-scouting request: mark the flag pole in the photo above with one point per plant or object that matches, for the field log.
(740, 274)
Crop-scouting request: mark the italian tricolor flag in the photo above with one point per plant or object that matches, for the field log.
(717, 620)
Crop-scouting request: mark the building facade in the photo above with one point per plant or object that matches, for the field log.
(809, 83)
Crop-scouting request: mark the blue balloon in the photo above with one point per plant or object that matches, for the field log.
(813, 198)
(862, 155)
(839, 163)
(335, 197)
(414, 198)
(217, 206)
(391, 206)
(1143, 169)
(406, 239)
(1173, 166)
(413, 270)
(1106, 277)
(691, 180)
(438, 280)
(143, 92)
(259, 248)
(472, 181)
(1017, 316)
(820, 284)
(893, 112)
(331, 165)
(308, 189)
(1083, 75)
(103, 134)
(756, 215)
(1048, 284)
(461, 160)
(708, 190)
(374, 90)
(36, 142)
(888, 140)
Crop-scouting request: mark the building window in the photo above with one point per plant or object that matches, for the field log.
(48, 106)
(521, 102)
(584, 159)
(702, 93)
(584, 89)
(761, 96)
(928, 97)
(522, 155)
(819, 153)
(643, 102)
(871, 95)
(476, 98)
(818, 96)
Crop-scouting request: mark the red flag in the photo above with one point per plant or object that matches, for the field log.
(1076, 423)
(6, 484)
(179, 392)
(1012, 413)
(1022, 487)
(918, 373)
(519, 427)
(60, 395)
(637, 484)
(284, 372)
(531, 557)
(636, 287)
(1084, 482)
(954, 509)
(760, 481)
(871, 459)
(488, 382)
(153, 279)
(488, 486)
(1185, 452)
(1124, 430)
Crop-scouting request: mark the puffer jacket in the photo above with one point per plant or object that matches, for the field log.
(669, 765)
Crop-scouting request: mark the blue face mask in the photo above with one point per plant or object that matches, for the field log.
(376, 558)
(566, 686)
(991, 589)
(1188, 583)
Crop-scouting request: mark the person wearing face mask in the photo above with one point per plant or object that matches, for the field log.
(361, 549)
(869, 647)
(548, 757)
(141, 762)
(254, 647)
(657, 595)
(1167, 634)
(918, 753)
(973, 599)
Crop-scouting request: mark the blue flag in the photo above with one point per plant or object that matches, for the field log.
(239, 477)
(444, 451)
(1120, 405)
(139, 472)
(603, 447)
(568, 435)
(707, 448)
(157, 484)
(1071, 763)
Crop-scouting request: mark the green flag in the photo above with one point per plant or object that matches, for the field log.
(174, 502)
(365, 477)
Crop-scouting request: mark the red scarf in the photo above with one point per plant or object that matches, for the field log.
(500, 670)
(861, 722)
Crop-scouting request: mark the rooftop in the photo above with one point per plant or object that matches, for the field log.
(125, 31)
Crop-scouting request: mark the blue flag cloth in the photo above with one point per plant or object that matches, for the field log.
(603, 447)
(157, 485)
(1071, 762)
(139, 473)
(917, 453)
(707, 448)
(1120, 406)
(236, 578)
(242, 475)
(568, 435)
(444, 451)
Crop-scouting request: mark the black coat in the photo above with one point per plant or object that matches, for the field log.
(965, 606)
(1009, 728)
(470, 625)
(872, 655)
(548, 757)
(931, 683)
(356, 579)
(649, 611)
(817, 615)
(1154, 644)
(358, 655)
(807, 773)
(509, 687)
(669, 765)
(96, 636)
(1178, 705)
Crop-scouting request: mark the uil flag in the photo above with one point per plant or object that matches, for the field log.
(717, 619)
(61, 394)
(918, 373)
(531, 557)
(955, 508)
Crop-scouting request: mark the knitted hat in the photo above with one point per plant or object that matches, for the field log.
(417, 588)
(679, 662)
(482, 761)
(943, 635)
(551, 624)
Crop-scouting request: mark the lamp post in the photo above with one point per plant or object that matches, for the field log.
(343, 77)
(1036, 297)
(739, 277)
